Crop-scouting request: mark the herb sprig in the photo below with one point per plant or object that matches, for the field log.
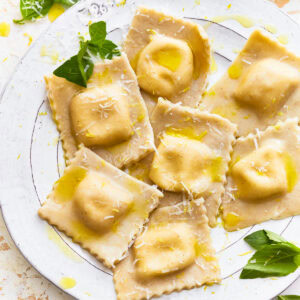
(275, 256)
(34, 9)
(79, 68)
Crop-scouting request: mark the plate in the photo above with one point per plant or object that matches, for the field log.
(32, 158)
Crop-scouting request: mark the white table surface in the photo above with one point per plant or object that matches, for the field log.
(18, 280)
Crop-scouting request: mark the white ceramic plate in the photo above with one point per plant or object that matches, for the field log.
(31, 160)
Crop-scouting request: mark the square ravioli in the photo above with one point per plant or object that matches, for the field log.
(193, 152)
(260, 88)
(173, 253)
(109, 116)
(263, 180)
(170, 56)
(99, 206)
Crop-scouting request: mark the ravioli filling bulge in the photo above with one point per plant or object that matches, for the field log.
(165, 66)
(164, 249)
(100, 203)
(260, 174)
(100, 116)
(178, 170)
(266, 85)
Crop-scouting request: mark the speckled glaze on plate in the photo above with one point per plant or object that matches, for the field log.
(32, 159)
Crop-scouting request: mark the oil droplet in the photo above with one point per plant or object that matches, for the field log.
(235, 70)
(49, 52)
(66, 250)
(141, 117)
(65, 187)
(29, 38)
(271, 28)
(283, 39)
(211, 92)
(101, 78)
(82, 232)
(202, 250)
(168, 58)
(215, 169)
(197, 2)
(115, 226)
(121, 3)
(67, 283)
(55, 11)
(232, 219)
(228, 6)
(185, 133)
(213, 65)
(4, 29)
(243, 20)
(291, 172)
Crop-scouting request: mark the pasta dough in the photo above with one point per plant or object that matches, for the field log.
(263, 179)
(173, 253)
(170, 56)
(193, 153)
(99, 206)
(261, 87)
(109, 116)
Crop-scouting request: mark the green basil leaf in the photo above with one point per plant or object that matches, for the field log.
(66, 2)
(84, 63)
(257, 239)
(261, 238)
(274, 237)
(271, 260)
(79, 68)
(288, 297)
(33, 9)
(108, 49)
(97, 32)
(70, 70)
(297, 259)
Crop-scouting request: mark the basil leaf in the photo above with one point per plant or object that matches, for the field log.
(108, 49)
(84, 63)
(271, 260)
(275, 238)
(261, 238)
(66, 2)
(70, 70)
(97, 32)
(297, 259)
(288, 297)
(79, 68)
(33, 9)
(258, 239)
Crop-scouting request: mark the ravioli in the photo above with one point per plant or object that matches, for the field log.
(99, 206)
(260, 88)
(263, 179)
(193, 151)
(170, 56)
(109, 116)
(173, 253)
